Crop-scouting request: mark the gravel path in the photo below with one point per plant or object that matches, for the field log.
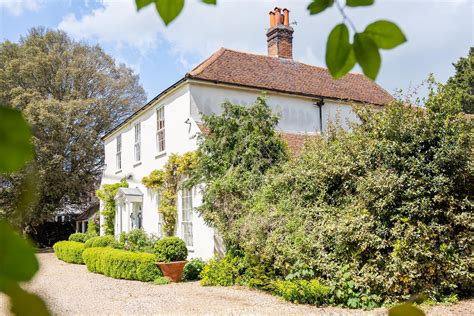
(71, 290)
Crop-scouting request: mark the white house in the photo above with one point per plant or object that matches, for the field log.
(305, 96)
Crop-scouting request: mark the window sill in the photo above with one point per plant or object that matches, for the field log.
(160, 154)
(190, 249)
(137, 164)
(118, 171)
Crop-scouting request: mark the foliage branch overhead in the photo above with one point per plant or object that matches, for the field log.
(341, 54)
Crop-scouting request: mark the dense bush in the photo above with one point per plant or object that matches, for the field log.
(241, 145)
(121, 264)
(193, 269)
(237, 269)
(377, 214)
(137, 240)
(303, 291)
(69, 251)
(171, 249)
(380, 213)
(79, 237)
(223, 272)
(101, 241)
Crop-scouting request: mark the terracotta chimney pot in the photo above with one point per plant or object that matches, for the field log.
(277, 15)
(272, 18)
(286, 17)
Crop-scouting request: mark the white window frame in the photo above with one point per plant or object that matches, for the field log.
(187, 216)
(118, 155)
(160, 130)
(137, 144)
(160, 216)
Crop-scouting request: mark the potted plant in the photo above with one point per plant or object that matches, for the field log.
(171, 253)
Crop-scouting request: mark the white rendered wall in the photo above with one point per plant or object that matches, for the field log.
(298, 114)
(180, 137)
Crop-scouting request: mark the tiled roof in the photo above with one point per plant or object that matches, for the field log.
(285, 75)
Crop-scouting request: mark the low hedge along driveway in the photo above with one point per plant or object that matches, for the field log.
(121, 264)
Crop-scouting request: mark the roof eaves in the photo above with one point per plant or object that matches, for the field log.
(188, 76)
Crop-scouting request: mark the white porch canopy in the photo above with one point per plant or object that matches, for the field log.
(128, 209)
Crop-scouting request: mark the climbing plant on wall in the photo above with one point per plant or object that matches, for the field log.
(166, 181)
(107, 195)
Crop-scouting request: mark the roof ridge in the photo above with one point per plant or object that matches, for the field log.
(222, 50)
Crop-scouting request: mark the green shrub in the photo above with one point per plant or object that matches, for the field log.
(161, 281)
(192, 269)
(92, 228)
(302, 291)
(221, 272)
(381, 213)
(171, 249)
(138, 240)
(121, 264)
(101, 241)
(79, 237)
(69, 251)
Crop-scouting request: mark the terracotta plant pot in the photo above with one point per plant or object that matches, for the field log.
(172, 270)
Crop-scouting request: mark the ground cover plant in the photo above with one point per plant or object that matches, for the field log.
(375, 215)
(121, 264)
(69, 251)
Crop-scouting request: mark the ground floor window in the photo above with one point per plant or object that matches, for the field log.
(187, 216)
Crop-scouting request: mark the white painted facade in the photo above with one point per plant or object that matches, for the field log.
(183, 105)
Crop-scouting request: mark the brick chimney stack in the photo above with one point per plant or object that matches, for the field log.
(280, 34)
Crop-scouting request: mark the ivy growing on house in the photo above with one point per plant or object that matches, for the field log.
(166, 181)
(107, 195)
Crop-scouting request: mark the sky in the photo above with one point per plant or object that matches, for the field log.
(439, 32)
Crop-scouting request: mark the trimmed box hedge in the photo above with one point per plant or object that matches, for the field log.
(69, 251)
(122, 264)
(101, 241)
(79, 237)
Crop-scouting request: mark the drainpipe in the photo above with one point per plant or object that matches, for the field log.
(319, 103)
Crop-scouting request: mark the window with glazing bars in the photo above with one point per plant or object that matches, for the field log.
(137, 141)
(160, 129)
(118, 157)
(187, 216)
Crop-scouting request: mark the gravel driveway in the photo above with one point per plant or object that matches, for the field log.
(70, 289)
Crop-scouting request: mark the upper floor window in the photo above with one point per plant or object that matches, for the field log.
(187, 216)
(160, 129)
(137, 141)
(118, 157)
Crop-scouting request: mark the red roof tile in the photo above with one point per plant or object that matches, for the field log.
(285, 75)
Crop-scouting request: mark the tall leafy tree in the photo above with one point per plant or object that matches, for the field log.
(464, 79)
(70, 93)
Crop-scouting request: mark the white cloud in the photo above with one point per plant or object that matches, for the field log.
(116, 22)
(241, 25)
(17, 7)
